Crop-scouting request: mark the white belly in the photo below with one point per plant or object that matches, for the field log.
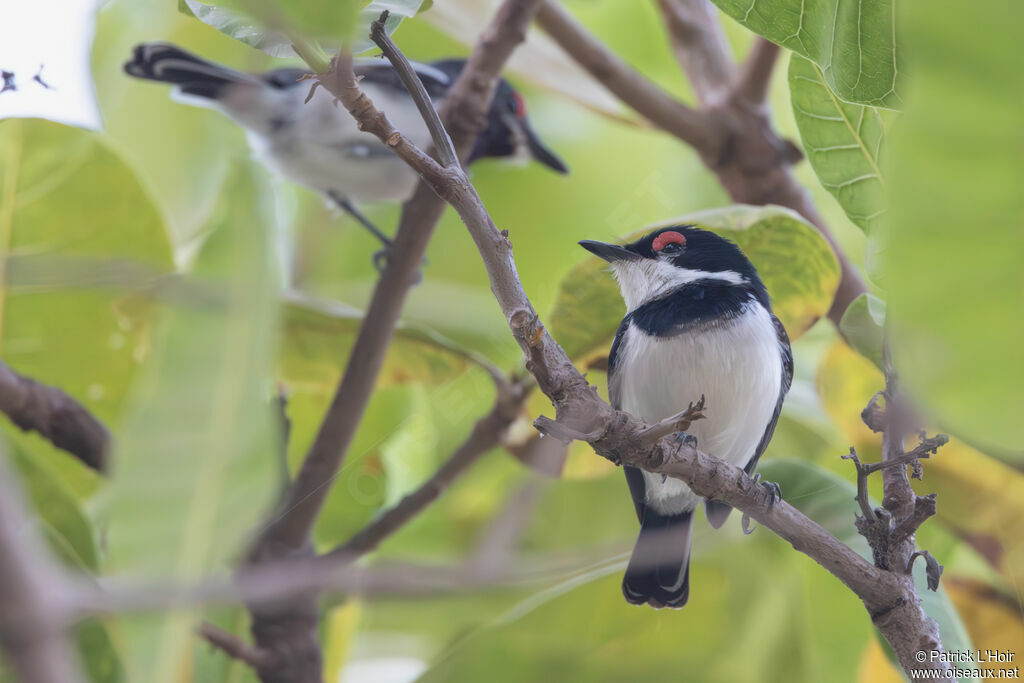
(322, 148)
(736, 366)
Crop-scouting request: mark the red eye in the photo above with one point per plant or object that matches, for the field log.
(520, 106)
(667, 238)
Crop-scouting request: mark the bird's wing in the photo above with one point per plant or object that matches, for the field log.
(614, 380)
(634, 477)
(787, 380)
(435, 81)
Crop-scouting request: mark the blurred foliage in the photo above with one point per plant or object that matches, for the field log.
(980, 498)
(69, 199)
(189, 386)
(312, 17)
(956, 230)
(197, 455)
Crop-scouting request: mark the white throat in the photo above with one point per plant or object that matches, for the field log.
(647, 279)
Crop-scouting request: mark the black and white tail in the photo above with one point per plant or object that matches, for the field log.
(659, 569)
(167, 63)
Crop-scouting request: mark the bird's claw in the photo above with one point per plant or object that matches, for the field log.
(686, 438)
(381, 258)
(773, 489)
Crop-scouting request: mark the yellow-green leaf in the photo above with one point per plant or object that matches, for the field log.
(66, 196)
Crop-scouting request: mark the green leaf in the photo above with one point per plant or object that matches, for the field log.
(64, 524)
(844, 142)
(955, 236)
(795, 262)
(196, 463)
(319, 334)
(410, 455)
(249, 22)
(862, 326)
(66, 196)
(69, 534)
(851, 40)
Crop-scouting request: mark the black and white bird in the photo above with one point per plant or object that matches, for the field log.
(317, 144)
(698, 322)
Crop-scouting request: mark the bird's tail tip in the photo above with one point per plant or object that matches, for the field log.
(659, 569)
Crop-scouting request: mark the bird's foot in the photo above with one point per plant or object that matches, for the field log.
(681, 438)
(773, 489)
(686, 438)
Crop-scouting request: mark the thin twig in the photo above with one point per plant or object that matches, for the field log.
(680, 422)
(56, 416)
(33, 618)
(632, 87)
(756, 73)
(442, 143)
(235, 647)
(700, 46)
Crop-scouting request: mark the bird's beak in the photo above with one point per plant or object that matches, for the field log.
(540, 152)
(609, 252)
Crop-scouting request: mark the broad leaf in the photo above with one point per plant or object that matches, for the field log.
(844, 142)
(67, 196)
(328, 19)
(854, 42)
(197, 462)
(319, 334)
(955, 238)
(796, 264)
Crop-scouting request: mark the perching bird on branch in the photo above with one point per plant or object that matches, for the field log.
(698, 322)
(317, 144)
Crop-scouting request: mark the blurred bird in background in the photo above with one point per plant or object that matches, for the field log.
(317, 144)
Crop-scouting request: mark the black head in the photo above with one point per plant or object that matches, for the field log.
(508, 133)
(669, 259)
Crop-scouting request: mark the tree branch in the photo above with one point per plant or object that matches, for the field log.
(56, 416)
(889, 597)
(734, 138)
(756, 74)
(487, 433)
(700, 46)
(32, 596)
(235, 647)
(654, 104)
